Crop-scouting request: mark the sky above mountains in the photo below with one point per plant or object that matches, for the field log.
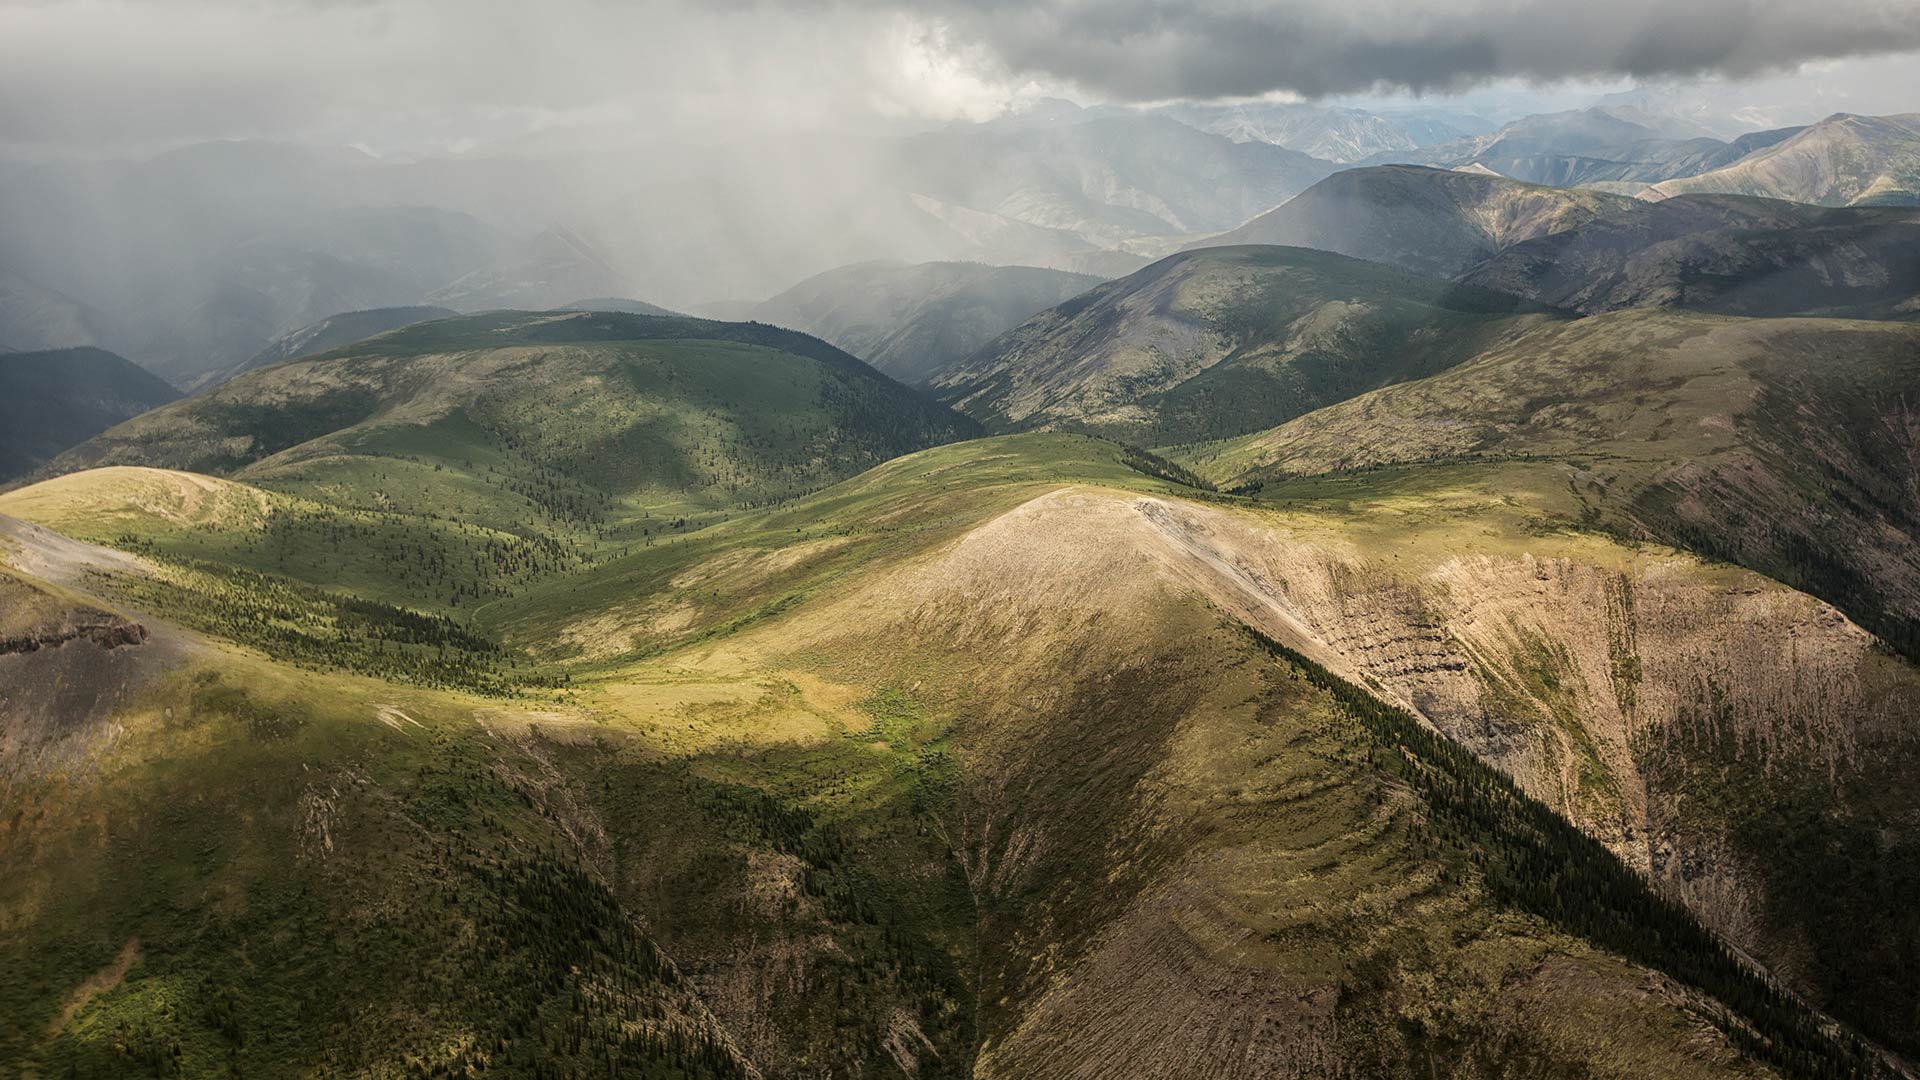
(409, 76)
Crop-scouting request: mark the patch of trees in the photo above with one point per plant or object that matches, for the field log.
(1151, 464)
(319, 630)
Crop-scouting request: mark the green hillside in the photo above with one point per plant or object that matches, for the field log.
(1222, 341)
(978, 764)
(453, 739)
(577, 421)
(1786, 445)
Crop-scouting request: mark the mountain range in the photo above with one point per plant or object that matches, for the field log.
(332, 332)
(1429, 221)
(1728, 253)
(211, 252)
(1393, 621)
(1009, 744)
(1223, 341)
(1611, 147)
(1844, 160)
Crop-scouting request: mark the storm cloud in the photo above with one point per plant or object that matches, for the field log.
(435, 74)
(1157, 49)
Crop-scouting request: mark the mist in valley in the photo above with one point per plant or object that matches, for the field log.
(183, 182)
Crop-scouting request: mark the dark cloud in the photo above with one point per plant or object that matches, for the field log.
(1153, 49)
(84, 74)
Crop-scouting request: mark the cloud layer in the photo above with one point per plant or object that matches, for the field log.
(1152, 49)
(433, 73)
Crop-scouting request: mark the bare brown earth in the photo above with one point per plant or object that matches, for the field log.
(99, 983)
(68, 661)
(1191, 893)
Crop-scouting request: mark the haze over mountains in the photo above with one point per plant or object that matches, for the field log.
(53, 400)
(191, 262)
(1171, 542)
(911, 322)
(1622, 149)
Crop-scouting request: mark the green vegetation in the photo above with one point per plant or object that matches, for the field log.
(1747, 440)
(1223, 341)
(554, 423)
(1533, 858)
(571, 739)
(317, 629)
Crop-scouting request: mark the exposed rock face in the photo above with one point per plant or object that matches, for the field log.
(67, 662)
(1657, 702)
(98, 627)
(1657, 705)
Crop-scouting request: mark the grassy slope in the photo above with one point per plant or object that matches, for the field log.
(565, 421)
(854, 794)
(1223, 341)
(1752, 440)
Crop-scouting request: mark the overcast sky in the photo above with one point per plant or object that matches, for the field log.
(418, 75)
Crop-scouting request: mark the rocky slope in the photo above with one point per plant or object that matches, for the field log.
(1755, 440)
(1666, 708)
(69, 661)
